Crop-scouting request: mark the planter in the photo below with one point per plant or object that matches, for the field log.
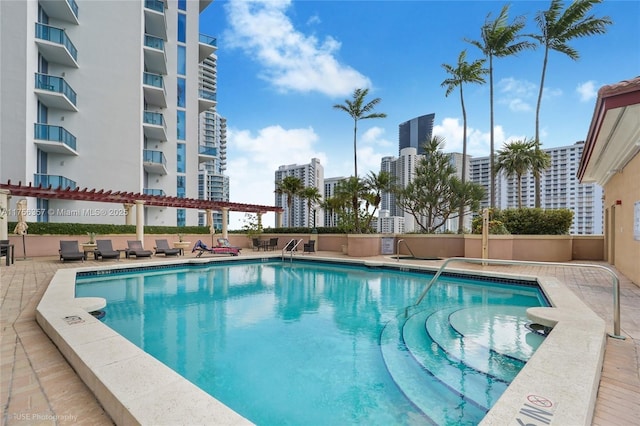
(182, 244)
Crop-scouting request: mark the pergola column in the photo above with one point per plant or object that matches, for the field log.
(4, 214)
(128, 218)
(140, 220)
(278, 219)
(259, 215)
(225, 221)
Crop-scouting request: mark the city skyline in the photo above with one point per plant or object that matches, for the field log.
(282, 65)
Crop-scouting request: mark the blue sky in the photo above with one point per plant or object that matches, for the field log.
(282, 65)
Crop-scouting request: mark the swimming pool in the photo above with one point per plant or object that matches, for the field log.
(305, 343)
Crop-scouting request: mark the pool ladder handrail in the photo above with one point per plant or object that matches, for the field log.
(398, 249)
(295, 246)
(616, 282)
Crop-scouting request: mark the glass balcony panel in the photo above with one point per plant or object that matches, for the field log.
(151, 191)
(208, 95)
(154, 157)
(56, 35)
(207, 150)
(74, 6)
(55, 84)
(154, 118)
(156, 5)
(46, 132)
(55, 181)
(155, 80)
(153, 42)
(211, 41)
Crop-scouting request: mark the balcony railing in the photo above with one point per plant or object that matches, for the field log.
(154, 42)
(55, 84)
(74, 6)
(54, 181)
(155, 80)
(156, 5)
(208, 95)
(56, 35)
(207, 150)
(151, 191)
(211, 41)
(46, 132)
(156, 157)
(155, 118)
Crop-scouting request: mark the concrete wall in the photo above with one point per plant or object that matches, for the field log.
(623, 250)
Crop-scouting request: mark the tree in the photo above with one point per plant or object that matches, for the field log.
(290, 186)
(463, 72)
(358, 110)
(435, 192)
(351, 191)
(377, 184)
(519, 157)
(557, 28)
(498, 39)
(313, 197)
(332, 205)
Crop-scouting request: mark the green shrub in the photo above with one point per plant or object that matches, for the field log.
(527, 221)
(50, 228)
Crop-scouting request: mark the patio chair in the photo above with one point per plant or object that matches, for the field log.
(105, 250)
(273, 244)
(69, 250)
(256, 244)
(162, 247)
(136, 249)
(309, 247)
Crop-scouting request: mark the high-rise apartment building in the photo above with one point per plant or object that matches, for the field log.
(106, 95)
(311, 175)
(213, 184)
(560, 188)
(331, 217)
(413, 133)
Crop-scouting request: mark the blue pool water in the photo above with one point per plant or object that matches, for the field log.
(309, 343)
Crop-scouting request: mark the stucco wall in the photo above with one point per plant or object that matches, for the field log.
(625, 188)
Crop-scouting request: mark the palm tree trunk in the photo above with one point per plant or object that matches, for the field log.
(464, 161)
(519, 177)
(492, 189)
(537, 176)
(355, 153)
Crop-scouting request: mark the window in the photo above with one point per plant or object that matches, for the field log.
(181, 125)
(181, 155)
(182, 28)
(181, 217)
(182, 4)
(182, 85)
(182, 60)
(181, 184)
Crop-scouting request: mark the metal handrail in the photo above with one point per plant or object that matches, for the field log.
(292, 248)
(398, 249)
(616, 282)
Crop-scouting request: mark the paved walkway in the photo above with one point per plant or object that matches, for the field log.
(38, 387)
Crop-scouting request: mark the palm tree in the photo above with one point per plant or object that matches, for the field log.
(377, 184)
(291, 187)
(351, 190)
(498, 39)
(519, 157)
(557, 28)
(313, 197)
(332, 205)
(358, 110)
(463, 72)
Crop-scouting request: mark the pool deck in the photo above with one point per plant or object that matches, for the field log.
(38, 386)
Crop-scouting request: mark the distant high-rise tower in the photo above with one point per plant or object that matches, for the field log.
(311, 175)
(413, 133)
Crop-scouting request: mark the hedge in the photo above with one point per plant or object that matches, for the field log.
(529, 221)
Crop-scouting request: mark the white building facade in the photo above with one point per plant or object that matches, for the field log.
(311, 175)
(105, 95)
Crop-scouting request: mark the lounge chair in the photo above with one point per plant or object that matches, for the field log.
(162, 247)
(136, 249)
(202, 248)
(105, 250)
(309, 247)
(69, 250)
(224, 242)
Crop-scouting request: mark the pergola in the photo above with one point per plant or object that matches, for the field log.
(129, 199)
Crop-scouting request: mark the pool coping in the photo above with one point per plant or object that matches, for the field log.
(557, 385)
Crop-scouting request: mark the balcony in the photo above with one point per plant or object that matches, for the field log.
(154, 91)
(54, 139)
(206, 153)
(65, 10)
(54, 44)
(154, 162)
(53, 181)
(206, 100)
(55, 92)
(206, 46)
(155, 192)
(154, 126)
(155, 59)
(155, 22)
(204, 4)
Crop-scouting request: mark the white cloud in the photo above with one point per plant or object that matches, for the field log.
(291, 60)
(371, 148)
(587, 90)
(478, 142)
